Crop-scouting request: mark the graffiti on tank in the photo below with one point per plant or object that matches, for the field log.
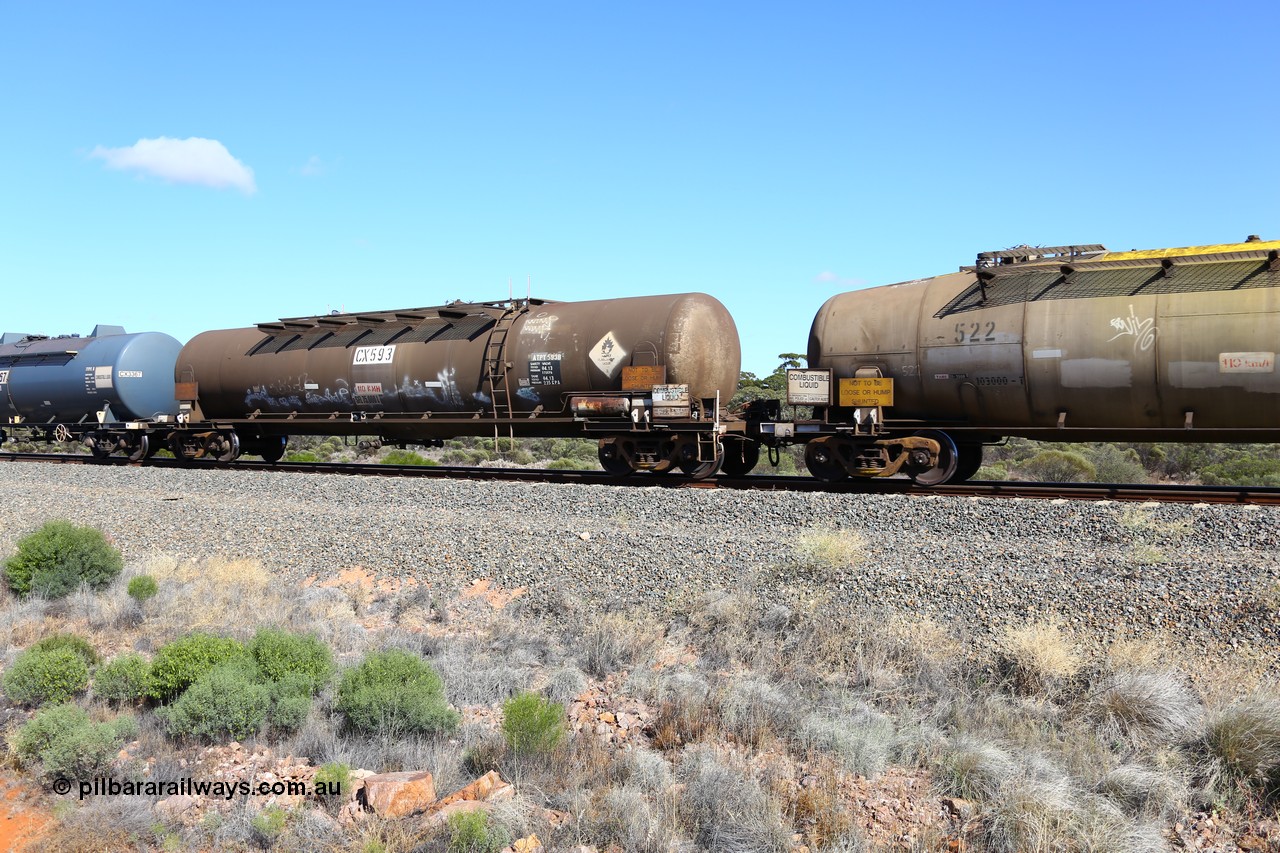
(1143, 331)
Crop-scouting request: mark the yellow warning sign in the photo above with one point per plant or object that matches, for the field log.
(867, 392)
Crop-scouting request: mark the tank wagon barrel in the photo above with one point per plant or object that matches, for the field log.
(1065, 343)
(648, 376)
(105, 389)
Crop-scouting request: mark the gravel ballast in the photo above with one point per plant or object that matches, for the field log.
(1206, 575)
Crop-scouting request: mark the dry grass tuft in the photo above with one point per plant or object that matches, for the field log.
(617, 641)
(827, 552)
(726, 808)
(682, 716)
(1151, 652)
(1241, 743)
(1140, 705)
(973, 769)
(1144, 792)
(1039, 658)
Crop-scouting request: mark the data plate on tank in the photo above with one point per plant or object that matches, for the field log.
(4, 377)
(869, 391)
(809, 387)
(544, 368)
(643, 377)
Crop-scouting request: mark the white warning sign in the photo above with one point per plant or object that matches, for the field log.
(1246, 362)
(609, 355)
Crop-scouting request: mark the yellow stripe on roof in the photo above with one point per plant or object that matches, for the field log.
(1219, 249)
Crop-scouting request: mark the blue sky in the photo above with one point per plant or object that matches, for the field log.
(181, 167)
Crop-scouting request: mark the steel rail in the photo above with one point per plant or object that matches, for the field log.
(1161, 493)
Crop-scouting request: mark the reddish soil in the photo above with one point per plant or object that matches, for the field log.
(22, 820)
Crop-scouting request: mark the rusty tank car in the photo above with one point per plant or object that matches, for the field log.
(1064, 343)
(106, 389)
(647, 376)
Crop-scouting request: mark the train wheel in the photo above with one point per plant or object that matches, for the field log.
(822, 463)
(968, 461)
(224, 448)
(141, 449)
(948, 461)
(613, 461)
(740, 457)
(702, 470)
(272, 451)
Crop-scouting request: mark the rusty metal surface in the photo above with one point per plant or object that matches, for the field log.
(402, 365)
(1088, 368)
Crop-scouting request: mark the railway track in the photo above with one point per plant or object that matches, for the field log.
(1254, 495)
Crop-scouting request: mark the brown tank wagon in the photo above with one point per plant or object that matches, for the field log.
(1064, 343)
(648, 376)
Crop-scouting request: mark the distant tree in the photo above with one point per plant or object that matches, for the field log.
(771, 387)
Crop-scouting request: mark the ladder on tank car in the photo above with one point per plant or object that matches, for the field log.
(497, 371)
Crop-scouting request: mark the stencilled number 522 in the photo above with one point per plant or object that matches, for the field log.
(972, 333)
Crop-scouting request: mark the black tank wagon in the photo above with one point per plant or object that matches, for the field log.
(647, 376)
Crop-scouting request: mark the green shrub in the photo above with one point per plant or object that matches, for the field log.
(227, 701)
(1059, 466)
(142, 587)
(301, 456)
(532, 725)
(68, 745)
(79, 645)
(1114, 465)
(572, 465)
(39, 676)
(406, 457)
(122, 679)
(1242, 471)
(178, 664)
(470, 832)
(394, 692)
(281, 655)
(332, 780)
(268, 824)
(57, 558)
(289, 710)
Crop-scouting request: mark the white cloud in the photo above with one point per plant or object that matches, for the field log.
(204, 162)
(828, 277)
(313, 167)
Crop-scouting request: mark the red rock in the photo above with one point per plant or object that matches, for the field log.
(483, 788)
(393, 795)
